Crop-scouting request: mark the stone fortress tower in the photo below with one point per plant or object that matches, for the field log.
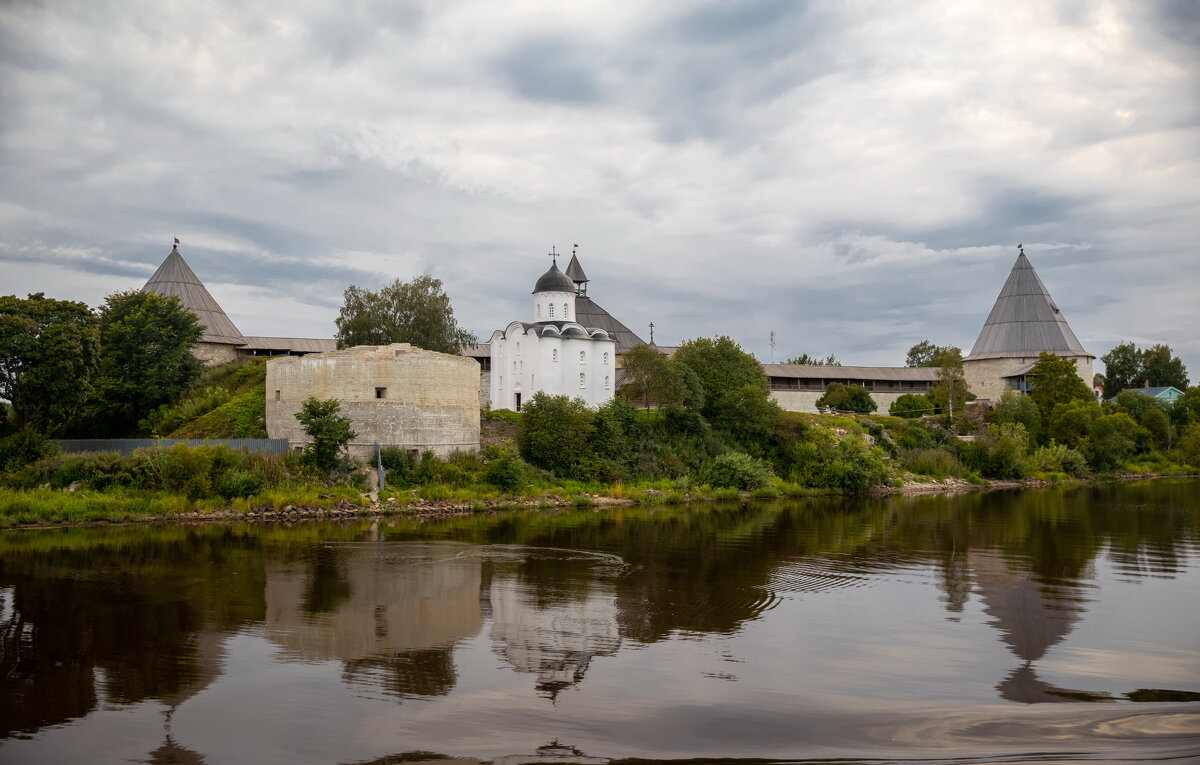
(1024, 322)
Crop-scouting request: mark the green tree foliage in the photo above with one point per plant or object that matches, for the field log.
(721, 366)
(1134, 403)
(1122, 368)
(1056, 381)
(48, 351)
(1017, 407)
(822, 460)
(846, 398)
(146, 360)
(1113, 439)
(747, 413)
(1071, 422)
(556, 433)
(950, 392)
(911, 406)
(1127, 367)
(926, 354)
(1186, 408)
(417, 312)
(1156, 423)
(815, 361)
(652, 379)
(1000, 452)
(329, 430)
(1161, 367)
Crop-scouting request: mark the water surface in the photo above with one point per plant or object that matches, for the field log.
(1005, 627)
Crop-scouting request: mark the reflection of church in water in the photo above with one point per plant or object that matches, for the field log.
(394, 614)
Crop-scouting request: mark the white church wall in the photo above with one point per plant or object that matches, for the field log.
(554, 306)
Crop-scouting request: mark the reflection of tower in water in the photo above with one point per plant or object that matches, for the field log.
(392, 618)
(1031, 615)
(555, 641)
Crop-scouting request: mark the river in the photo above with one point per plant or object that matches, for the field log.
(1040, 625)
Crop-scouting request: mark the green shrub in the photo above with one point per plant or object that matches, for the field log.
(938, 463)
(506, 470)
(238, 483)
(738, 471)
(1057, 458)
(24, 448)
(1112, 439)
(911, 406)
(183, 466)
(399, 465)
(999, 453)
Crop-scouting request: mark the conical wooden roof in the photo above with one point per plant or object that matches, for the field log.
(174, 277)
(575, 271)
(1025, 321)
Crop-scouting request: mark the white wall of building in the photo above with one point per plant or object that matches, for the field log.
(554, 306)
(525, 363)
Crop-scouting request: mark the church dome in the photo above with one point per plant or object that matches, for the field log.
(554, 281)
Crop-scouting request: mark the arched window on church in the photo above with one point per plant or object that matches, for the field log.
(582, 380)
(552, 310)
(605, 382)
(539, 310)
(566, 314)
(606, 357)
(554, 355)
(582, 357)
(514, 365)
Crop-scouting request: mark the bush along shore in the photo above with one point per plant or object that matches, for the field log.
(559, 453)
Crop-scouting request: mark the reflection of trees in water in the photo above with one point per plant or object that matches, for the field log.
(145, 608)
(133, 606)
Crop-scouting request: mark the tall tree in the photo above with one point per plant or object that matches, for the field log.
(652, 379)
(829, 361)
(1122, 368)
(926, 354)
(722, 366)
(1161, 367)
(146, 360)
(950, 392)
(1056, 381)
(48, 351)
(417, 312)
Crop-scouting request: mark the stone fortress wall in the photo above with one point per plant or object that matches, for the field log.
(394, 395)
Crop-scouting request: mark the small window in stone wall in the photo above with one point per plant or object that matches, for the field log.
(539, 310)
(605, 382)
(276, 395)
(606, 357)
(566, 314)
(381, 393)
(552, 310)
(554, 355)
(582, 380)
(582, 357)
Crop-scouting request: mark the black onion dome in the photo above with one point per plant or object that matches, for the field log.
(554, 281)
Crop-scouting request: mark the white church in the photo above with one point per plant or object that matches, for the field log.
(554, 353)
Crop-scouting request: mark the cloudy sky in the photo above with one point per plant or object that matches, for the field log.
(853, 176)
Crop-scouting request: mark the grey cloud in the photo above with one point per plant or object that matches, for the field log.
(540, 69)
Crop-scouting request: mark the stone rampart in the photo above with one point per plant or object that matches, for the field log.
(394, 395)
